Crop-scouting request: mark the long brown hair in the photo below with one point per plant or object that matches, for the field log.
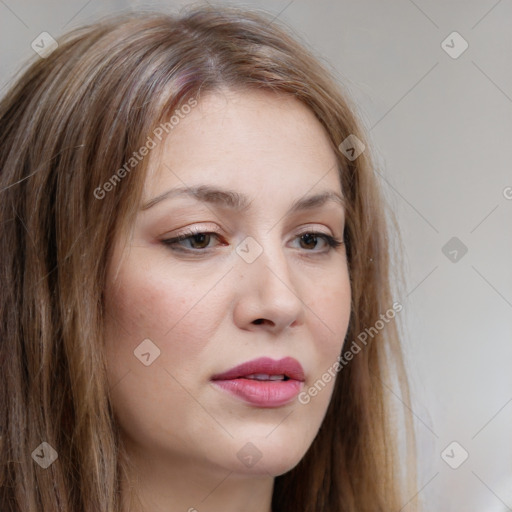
(70, 122)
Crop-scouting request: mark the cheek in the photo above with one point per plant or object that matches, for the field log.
(332, 315)
(177, 314)
(170, 312)
(331, 308)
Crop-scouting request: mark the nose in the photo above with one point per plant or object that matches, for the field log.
(268, 295)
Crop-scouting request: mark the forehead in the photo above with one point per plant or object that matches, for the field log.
(255, 141)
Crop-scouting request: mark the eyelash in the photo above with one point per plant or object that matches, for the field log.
(172, 243)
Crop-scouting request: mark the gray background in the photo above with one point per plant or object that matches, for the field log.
(440, 130)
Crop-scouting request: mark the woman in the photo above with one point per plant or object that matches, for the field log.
(196, 306)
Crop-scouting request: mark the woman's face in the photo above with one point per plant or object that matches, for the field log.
(252, 284)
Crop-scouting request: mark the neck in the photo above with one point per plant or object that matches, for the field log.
(156, 485)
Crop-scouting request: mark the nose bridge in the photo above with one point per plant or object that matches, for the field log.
(270, 284)
(266, 257)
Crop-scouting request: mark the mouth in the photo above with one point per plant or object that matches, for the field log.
(265, 368)
(263, 382)
(263, 376)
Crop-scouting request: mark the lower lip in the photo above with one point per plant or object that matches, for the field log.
(266, 393)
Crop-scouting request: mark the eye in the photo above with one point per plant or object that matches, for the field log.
(310, 240)
(199, 240)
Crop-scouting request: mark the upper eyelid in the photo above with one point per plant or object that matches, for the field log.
(192, 230)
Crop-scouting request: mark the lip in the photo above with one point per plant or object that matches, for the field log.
(263, 393)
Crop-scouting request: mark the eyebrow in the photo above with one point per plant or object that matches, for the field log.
(240, 202)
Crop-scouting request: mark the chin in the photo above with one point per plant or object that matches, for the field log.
(274, 455)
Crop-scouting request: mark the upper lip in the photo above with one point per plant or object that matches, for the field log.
(287, 366)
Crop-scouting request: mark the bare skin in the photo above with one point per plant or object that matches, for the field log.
(198, 300)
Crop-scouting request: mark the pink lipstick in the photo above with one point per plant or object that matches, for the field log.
(264, 382)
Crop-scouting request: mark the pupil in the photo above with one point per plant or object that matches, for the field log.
(201, 237)
(309, 239)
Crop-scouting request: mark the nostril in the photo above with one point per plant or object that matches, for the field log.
(258, 321)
